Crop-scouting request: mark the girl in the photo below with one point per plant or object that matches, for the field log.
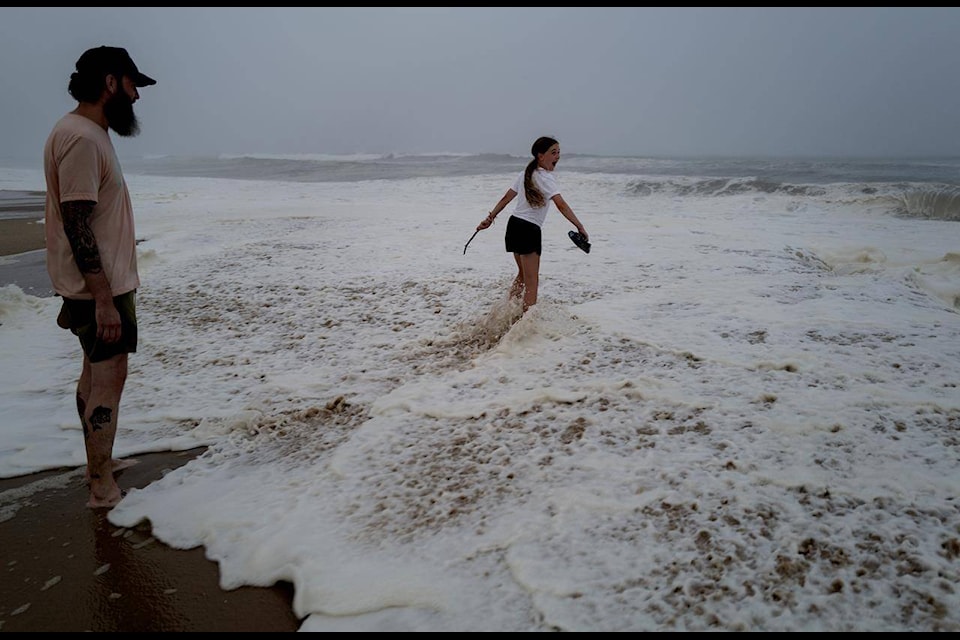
(539, 186)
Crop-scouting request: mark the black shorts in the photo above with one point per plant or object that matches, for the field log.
(522, 236)
(80, 316)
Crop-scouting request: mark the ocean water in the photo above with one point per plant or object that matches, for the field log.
(739, 412)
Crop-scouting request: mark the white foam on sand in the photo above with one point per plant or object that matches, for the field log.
(734, 414)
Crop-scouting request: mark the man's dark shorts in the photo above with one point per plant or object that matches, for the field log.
(522, 236)
(80, 317)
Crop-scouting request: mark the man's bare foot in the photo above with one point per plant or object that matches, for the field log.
(112, 500)
(119, 464)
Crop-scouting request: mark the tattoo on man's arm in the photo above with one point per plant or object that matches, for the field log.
(76, 224)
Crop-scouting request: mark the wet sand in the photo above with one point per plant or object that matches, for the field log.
(65, 567)
(18, 235)
(22, 256)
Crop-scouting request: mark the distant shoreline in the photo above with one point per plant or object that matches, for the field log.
(17, 204)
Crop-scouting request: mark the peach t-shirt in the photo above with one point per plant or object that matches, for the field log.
(80, 164)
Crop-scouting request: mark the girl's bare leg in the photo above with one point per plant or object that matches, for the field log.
(530, 268)
(516, 289)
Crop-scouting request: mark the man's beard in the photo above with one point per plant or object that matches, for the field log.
(120, 116)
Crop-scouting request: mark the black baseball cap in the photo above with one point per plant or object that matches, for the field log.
(103, 60)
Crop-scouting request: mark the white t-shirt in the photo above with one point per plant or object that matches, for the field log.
(546, 183)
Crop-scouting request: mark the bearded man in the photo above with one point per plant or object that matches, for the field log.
(91, 247)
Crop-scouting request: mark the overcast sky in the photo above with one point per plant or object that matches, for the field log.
(635, 81)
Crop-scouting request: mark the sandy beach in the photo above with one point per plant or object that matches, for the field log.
(20, 235)
(67, 568)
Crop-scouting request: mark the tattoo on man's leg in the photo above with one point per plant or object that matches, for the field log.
(81, 409)
(100, 417)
